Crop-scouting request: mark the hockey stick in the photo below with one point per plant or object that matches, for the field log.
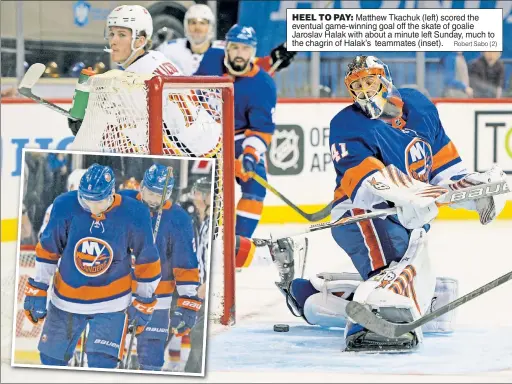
(82, 349)
(317, 216)
(456, 196)
(162, 201)
(126, 362)
(363, 316)
(33, 74)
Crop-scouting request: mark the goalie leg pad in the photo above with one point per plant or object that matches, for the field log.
(447, 290)
(372, 244)
(403, 291)
(323, 299)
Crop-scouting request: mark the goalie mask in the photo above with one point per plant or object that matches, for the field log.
(370, 85)
(153, 185)
(96, 189)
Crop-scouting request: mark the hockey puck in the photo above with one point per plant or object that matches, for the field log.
(281, 328)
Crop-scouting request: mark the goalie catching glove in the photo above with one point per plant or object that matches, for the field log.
(488, 208)
(35, 300)
(141, 311)
(185, 316)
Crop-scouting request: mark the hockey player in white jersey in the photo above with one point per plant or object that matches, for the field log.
(128, 31)
(191, 124)
(188, 52)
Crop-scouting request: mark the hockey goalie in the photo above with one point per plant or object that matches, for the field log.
(116, 118)
(389, 149)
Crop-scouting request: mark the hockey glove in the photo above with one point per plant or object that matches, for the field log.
(281, 53)
(488, 208)
(35, 300)
(184, 317)
(246, 163)
(74, 125)
(140, 312)
(250, 159)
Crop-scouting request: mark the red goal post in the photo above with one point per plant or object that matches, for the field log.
(190, 116)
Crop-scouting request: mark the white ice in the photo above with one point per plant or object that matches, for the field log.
(480, 349)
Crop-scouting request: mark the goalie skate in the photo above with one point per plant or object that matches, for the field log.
(360, 339)
(286, 254)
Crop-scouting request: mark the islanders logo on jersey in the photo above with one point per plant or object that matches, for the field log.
(418, 159)
(93, 256)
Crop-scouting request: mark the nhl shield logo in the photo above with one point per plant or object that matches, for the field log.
(286, 151)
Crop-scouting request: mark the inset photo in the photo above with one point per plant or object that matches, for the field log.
(112, 262)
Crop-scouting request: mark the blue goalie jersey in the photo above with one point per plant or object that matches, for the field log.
(416, 143)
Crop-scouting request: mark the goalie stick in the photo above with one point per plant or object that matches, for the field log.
(450, 197)
(363, 316)
(33, 74)
(317, 216)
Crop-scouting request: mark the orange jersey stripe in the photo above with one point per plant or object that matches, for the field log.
(266, 137)
(250, 206)
(264, 62)
(165, 287)
(444, 156)
(148, 270)
(44, 254)
(371, 240)
(181, 274)
(339, 193)
(355, 174)
(92, 293)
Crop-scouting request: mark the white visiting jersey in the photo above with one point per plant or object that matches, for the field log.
(203, 245)
(154, 62)
(190, 116)
(180, 53)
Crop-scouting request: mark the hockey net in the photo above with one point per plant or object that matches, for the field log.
(179, 116)
(25, 334)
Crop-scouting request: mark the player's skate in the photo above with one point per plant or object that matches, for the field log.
(399, 294)
(284, 253)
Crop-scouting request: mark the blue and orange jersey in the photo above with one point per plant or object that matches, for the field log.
(255, 99)
(176, 246)
(93, 255)
(415, 142)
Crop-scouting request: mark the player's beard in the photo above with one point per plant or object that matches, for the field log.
(239, 66)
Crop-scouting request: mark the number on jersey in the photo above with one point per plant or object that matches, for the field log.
(338, 155)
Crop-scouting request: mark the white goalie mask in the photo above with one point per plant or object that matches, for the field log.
(134, 17)
(200, 12)
(370, 85)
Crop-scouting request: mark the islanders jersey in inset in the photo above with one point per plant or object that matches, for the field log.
(93, 254)
(176, 245)
(255, 99)
(415, 143)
